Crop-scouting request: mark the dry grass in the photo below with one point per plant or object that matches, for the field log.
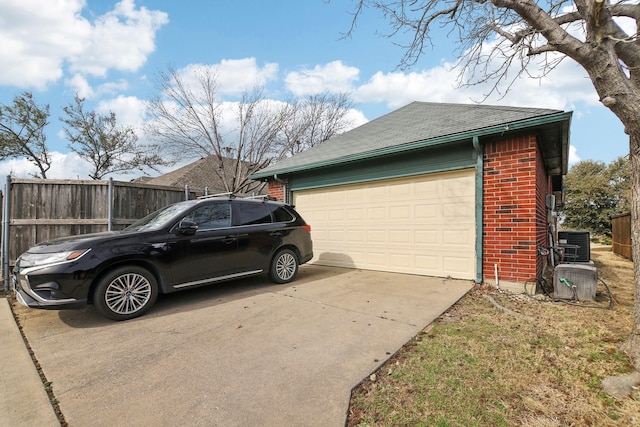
(533, 363)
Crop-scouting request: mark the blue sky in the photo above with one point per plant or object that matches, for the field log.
(109, 51)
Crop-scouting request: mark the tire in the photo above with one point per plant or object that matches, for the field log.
(125, 293)
(284, 266)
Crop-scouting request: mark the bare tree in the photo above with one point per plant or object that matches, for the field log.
(313, 120)
(590, 32)
(22, 132)
(191, 121)
(109, 148)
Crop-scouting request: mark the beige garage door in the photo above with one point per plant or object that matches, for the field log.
(420, 225)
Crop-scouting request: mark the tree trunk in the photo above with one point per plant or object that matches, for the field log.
(632, 345)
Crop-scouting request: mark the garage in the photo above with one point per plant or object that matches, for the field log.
(442, 190)
(420, 225)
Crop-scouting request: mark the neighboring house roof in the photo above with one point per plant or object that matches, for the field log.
(422, 124)
(201, 174)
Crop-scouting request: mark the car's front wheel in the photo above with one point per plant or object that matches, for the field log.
(284, 266)
(125, 293)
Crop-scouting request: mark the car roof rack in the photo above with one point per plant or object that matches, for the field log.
(232, 195)
(208, 196)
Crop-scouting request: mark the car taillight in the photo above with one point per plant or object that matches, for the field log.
(307, 227)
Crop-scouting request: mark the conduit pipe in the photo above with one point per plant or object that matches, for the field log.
(479, 207)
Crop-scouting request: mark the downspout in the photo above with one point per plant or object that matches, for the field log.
(479, 207)
(285, 193)
(6, 232)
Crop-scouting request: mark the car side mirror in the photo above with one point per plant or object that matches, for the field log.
(187, 227)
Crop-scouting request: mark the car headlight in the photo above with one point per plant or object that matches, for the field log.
(36, 260)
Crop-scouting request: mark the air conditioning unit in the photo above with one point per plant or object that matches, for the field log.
(581, 276)
(580, 239)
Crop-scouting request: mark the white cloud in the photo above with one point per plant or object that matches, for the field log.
(129, 110)
(36, 37)
(80, 86)
(397, 89)
(112, 87)
(573, 155)
(355, 118)
(63, 166)
(566, 86)
(331, 77)
(39, 39)
(232, 76)
(120, 39)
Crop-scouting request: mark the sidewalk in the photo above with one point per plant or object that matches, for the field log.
(23, 401)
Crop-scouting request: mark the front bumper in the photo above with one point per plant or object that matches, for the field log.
(45, 295)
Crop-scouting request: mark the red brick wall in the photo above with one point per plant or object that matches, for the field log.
(276, 190)
(514, 216)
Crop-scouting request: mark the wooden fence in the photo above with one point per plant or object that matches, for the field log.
(621, 235)
(43, 209)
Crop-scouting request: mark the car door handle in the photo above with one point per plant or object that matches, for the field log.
(229, 240)
(276, 234)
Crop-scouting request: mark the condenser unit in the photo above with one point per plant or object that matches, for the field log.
(580, 239)
(582, 277)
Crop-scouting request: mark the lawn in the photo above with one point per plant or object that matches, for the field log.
(503, 359)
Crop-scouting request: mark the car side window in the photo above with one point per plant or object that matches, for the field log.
(280, 214)
(208, 217)
(254, 213)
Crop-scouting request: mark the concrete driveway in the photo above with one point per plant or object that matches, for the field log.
(236, 354)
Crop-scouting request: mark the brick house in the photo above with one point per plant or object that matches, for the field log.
(445, 190)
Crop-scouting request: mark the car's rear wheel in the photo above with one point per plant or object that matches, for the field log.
(125, 293)
(284, 266)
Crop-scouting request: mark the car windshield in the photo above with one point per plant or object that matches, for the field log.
(160, 218)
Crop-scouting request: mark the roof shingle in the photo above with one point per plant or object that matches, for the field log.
(418, 121)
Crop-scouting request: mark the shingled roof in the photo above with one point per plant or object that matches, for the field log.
(421, 124)
(201, 174)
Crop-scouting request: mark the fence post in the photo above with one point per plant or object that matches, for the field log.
(110, 206)
(6, 208)
(186, 192)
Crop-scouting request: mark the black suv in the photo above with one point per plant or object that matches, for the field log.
(181, 246)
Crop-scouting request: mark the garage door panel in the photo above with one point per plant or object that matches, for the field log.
(355, 214)
(336, 236)
(376, 193)
(402, 212)
(456, 210)
(377, 213)
(456, 265)
(427, 188)
(379, 259)
(457, 238)
(427, 237)
(340, 259)
(336, 214)
(378, 236)
(424, 212)
(401, 260)
(420, 225)
(400, 237)
(357, 236)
